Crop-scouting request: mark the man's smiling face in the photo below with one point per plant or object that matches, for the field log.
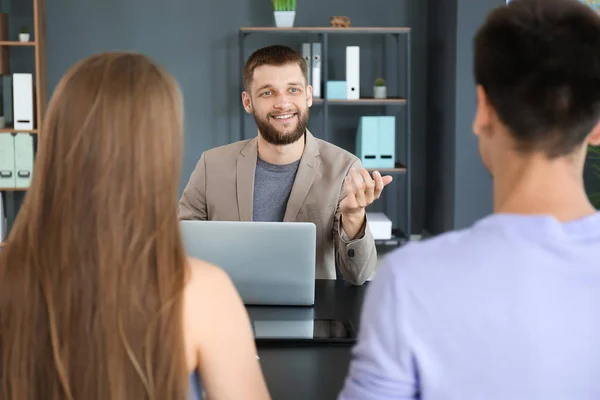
(279, 99)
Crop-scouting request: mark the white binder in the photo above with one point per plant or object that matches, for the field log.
(353, 72)
(316, 69)
(307, 54)
(23, 101)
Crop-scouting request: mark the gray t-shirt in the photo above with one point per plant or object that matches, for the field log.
(272, 187)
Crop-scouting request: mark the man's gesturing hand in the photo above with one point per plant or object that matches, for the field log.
(361, 191)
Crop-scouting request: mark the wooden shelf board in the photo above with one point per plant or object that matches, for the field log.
(326, 29)
(389, 170)
(12, 130)
(15, 43)
(365, 101)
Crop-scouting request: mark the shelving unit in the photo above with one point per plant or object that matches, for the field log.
(403, 58)
(37, 44)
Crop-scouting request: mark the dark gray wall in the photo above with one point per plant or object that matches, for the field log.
(473, 184)
(441, 109)
(20, 13)
(197, 41)
(459, 187)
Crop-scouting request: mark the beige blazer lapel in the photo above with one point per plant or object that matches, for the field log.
(245, 170)
(307, 170)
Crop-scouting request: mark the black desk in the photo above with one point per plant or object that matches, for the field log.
(314, 372)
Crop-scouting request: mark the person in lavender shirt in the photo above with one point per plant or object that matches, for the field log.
(510, 307)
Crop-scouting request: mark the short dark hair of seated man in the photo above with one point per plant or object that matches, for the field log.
(506, 308)
(273, 55)
(537, 64)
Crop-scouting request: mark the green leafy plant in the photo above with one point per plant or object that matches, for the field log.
(379, 82)
(594, 157)
(24, 29)
(284, 5)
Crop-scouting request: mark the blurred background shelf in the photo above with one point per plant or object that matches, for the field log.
(28, 57)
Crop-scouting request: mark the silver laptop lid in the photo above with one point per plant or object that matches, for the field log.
(270, 263)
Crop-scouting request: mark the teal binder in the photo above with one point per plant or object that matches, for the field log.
(376, 141)
(7, 161)
(367, 141)
(23, 160)
(387, 142)
(336, 90)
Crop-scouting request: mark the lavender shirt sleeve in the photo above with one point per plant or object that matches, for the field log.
(382, 366)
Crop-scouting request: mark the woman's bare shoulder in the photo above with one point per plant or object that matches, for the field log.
(219, 335)
(207, 281)
(210, 294)
(201, 268)
(211, 303)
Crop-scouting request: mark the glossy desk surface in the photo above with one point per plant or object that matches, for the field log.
(314, 372)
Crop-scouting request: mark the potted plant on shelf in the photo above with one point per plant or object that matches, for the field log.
(24, 35)
(379, 90)
(284, 12)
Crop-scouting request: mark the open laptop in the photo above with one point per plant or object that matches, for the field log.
(270, 263)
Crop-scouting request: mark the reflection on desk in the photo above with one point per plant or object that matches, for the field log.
(283, 329)
(295, 325)
(306, 371)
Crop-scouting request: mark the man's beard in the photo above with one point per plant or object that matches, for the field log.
(273, 136)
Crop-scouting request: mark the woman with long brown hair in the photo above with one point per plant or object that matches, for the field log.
(97, 298)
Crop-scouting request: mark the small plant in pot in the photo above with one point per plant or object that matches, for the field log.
(24, 34)
(284, 12)
(379, 90)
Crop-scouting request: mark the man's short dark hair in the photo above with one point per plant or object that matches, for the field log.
(273, 55)
(539, 64)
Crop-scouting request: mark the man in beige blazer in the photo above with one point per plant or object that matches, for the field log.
(286, 174)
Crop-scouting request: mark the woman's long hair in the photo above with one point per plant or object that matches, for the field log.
(93, 272)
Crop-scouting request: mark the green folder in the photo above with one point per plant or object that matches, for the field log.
(7, 161)
(23, 160)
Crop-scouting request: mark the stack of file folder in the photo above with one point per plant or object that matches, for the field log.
(16, 160)
(376, 141)
(348, 89)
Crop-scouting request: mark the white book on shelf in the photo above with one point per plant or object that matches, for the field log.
(353, 72)
(23, 101)
(307, 54)
(316, 70)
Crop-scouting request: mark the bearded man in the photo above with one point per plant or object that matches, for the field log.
(285, 174)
